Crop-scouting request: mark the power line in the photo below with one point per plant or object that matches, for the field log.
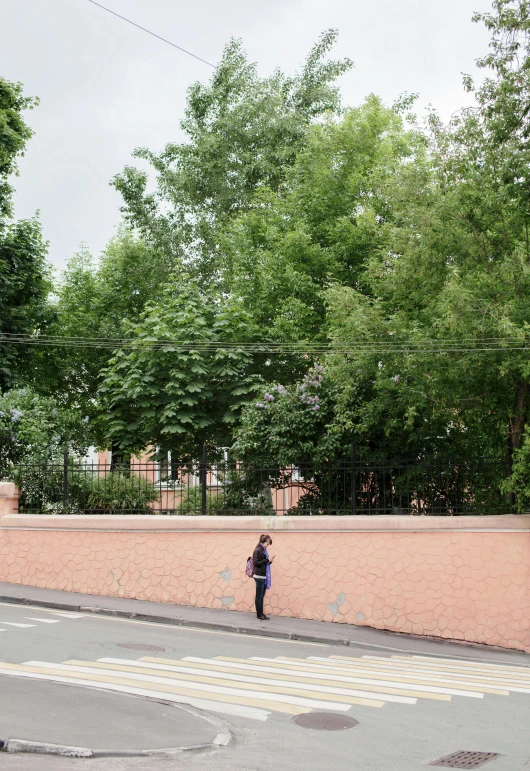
(427, 346)
(152, 33)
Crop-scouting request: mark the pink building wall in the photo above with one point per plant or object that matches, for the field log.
(465, 578)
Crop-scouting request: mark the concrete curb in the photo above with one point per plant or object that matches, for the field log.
(262, 631)
(223, 738)
(170, 620)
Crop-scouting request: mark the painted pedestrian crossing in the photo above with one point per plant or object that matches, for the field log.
(19, 626)
(258, 686)
(33, 622)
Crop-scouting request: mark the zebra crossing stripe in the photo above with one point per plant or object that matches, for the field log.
(279, 686)
(255, 687)
(508, 681)
(523, 672)
(426, 677)
(324, 672)
(238, 710)
(449, 676)
(44, 620)
(21, 626)
(316, 677)
(283, 700)
(380, 692)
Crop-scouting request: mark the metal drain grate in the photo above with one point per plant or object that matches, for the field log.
(140, 647)
(465, 759)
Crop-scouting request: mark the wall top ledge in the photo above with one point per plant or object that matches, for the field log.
(376, 523)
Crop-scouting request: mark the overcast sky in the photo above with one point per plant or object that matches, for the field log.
(106, 87)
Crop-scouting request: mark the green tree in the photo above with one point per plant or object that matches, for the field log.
(453, 275)
(97, 300)
(445, 277)
(35, 429)
(179, 396)
(24, 276)
(324, 223)
(129, 274)
(243, 133)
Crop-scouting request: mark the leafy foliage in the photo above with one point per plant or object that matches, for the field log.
(35, 428)
(42, 487)
(243, 133)
(179, 397)
(289, 424)
(24, 277)
(190, 503)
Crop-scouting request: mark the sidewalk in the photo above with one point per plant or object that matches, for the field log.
(95, 722)
(246, 623)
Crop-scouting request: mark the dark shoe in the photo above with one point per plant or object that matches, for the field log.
(263, 618)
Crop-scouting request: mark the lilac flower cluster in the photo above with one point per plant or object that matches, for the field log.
(16, 415)
(312, 380)
(269, 398)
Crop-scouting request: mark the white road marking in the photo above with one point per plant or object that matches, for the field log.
(464, 677)
(22, 626)
(257, 686)
(68, 615)
(349, 678)
(44, 620)
(211, 706)
(196, 686)
(223, 675)
(425, 675)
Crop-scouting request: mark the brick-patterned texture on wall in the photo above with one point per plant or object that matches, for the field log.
(472, 586)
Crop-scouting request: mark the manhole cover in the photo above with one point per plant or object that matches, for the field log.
(465, 759)
(140, 647)
(325, 721)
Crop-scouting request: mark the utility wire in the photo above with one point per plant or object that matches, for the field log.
(405, 341)
(152, 33)
(463, 345)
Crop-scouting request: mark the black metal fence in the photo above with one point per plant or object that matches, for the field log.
(352, 487)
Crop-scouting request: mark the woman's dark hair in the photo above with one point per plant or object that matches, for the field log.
(264, 538)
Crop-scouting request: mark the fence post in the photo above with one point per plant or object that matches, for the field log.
(65, 480)
(353, 485)
(203, 479)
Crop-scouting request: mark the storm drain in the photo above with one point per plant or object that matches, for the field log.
(325, 721)
(464, 759)
(141, 647)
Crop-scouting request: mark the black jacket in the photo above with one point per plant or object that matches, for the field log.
(260, 561)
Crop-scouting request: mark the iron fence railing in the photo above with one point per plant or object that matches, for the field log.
(419, 487)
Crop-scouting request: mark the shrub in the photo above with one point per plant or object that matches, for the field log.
(191, 502)
(42, 489)
(117, 493)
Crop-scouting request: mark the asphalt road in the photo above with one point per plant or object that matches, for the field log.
(66, 678)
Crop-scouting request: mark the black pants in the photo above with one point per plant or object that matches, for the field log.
(260, 594)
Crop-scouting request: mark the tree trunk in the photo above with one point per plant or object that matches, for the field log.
(517, 423)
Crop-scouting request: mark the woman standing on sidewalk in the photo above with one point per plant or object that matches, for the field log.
(262, 573)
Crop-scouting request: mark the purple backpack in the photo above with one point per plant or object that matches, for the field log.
(249, 570)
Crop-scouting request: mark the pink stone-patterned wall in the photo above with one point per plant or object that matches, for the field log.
(472, 586)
